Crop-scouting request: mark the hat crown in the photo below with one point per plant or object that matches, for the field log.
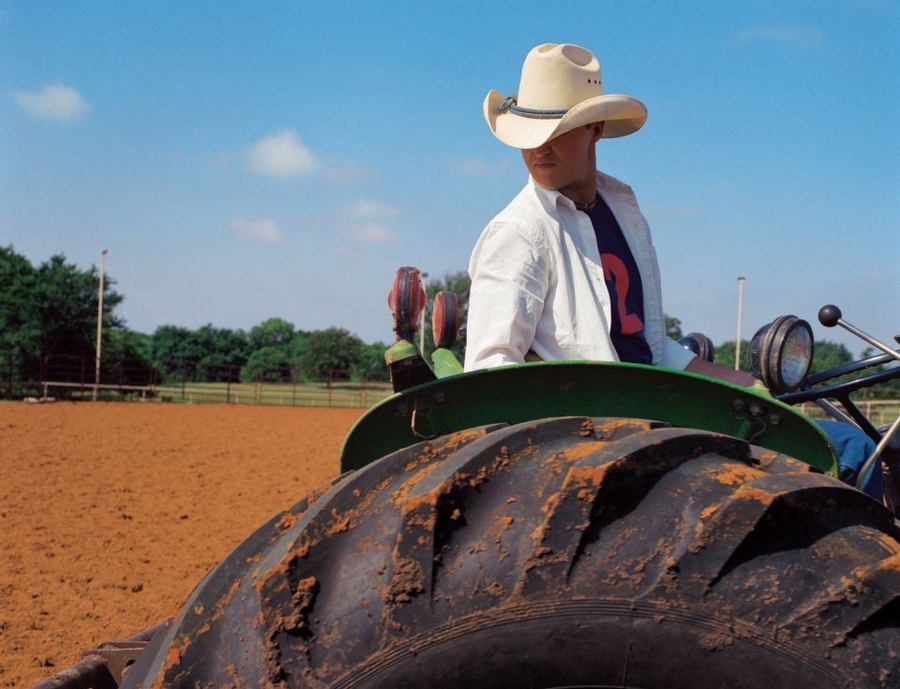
(558, 76)
(560, 89)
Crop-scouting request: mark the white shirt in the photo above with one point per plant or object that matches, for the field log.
(537, 283)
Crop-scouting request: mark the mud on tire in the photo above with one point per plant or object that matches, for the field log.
(570, 551)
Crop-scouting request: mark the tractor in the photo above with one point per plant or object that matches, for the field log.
(565, 524)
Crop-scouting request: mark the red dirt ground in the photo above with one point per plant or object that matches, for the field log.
(111, 513)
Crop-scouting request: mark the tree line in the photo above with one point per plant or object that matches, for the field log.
(48, 318)
(48, 330)
(48, 323)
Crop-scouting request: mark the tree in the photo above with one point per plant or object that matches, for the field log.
(67, 307)
(268, 363)
(273, 344)
(829, 355)
(127, 359)
(334, 351)
(725, 355)
(673, 328)
(273, 332)
(168, 347)
(20, 333)
(889, 390)
(207, 354)
(223, 353)
(49, 311)
(371, 360)
(458, 283)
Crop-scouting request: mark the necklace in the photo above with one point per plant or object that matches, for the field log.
(587, 206)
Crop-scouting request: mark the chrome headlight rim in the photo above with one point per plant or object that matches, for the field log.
(781, 353)
(699, 344)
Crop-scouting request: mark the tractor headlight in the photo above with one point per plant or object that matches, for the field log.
(781, 353)
(699, 344)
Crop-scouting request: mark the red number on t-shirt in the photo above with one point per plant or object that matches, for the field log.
(614, 270)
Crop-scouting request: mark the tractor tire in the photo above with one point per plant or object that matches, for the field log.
(559, 553)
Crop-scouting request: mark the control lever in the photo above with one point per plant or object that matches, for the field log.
(830, 316)
(407, 302)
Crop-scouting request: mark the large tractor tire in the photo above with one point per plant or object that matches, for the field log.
(565, 552)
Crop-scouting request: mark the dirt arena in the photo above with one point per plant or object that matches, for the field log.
(111, 513)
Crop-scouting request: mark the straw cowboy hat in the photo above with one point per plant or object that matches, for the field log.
(561, 88)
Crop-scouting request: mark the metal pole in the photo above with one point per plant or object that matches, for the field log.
(99, 326)
(740, 317)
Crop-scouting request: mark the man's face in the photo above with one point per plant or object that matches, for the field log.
(564, 161)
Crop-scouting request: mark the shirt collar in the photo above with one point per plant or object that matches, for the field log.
(551, 199)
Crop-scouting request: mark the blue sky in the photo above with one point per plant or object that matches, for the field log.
(241, 161)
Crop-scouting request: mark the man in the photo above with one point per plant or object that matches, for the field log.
(568, 270)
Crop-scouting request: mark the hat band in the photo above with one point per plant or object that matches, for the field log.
(509, 105)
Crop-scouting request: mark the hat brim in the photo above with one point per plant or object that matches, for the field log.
(623, 115)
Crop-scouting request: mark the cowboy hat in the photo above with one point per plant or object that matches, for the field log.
(560, 89)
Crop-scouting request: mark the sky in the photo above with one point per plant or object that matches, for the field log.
(244, 161)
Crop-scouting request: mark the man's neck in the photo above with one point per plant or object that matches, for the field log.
(581, 193)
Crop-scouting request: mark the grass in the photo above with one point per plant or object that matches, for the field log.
(358, 394)
(342, 394)
(880, 412)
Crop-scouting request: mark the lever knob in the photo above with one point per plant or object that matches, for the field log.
(829, 315)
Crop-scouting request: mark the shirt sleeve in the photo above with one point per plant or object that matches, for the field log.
(676, 356)
(509, 274)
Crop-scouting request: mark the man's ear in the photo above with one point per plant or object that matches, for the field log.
(598, 131)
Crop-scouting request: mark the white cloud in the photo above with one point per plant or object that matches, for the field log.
(372, 233)
(52, 102)
(281, 154)
(479, 167)
(366, 222)
(372, 209)
(263, 230)
(349, 173)
(804, 36)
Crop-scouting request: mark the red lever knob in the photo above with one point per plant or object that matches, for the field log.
(407, 301)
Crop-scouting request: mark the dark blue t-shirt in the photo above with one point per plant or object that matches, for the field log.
(623, 280)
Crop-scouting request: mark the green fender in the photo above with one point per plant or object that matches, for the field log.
(525, 392)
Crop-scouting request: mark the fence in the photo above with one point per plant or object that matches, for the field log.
(880, 412)
(188, 381)
(193, 382)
